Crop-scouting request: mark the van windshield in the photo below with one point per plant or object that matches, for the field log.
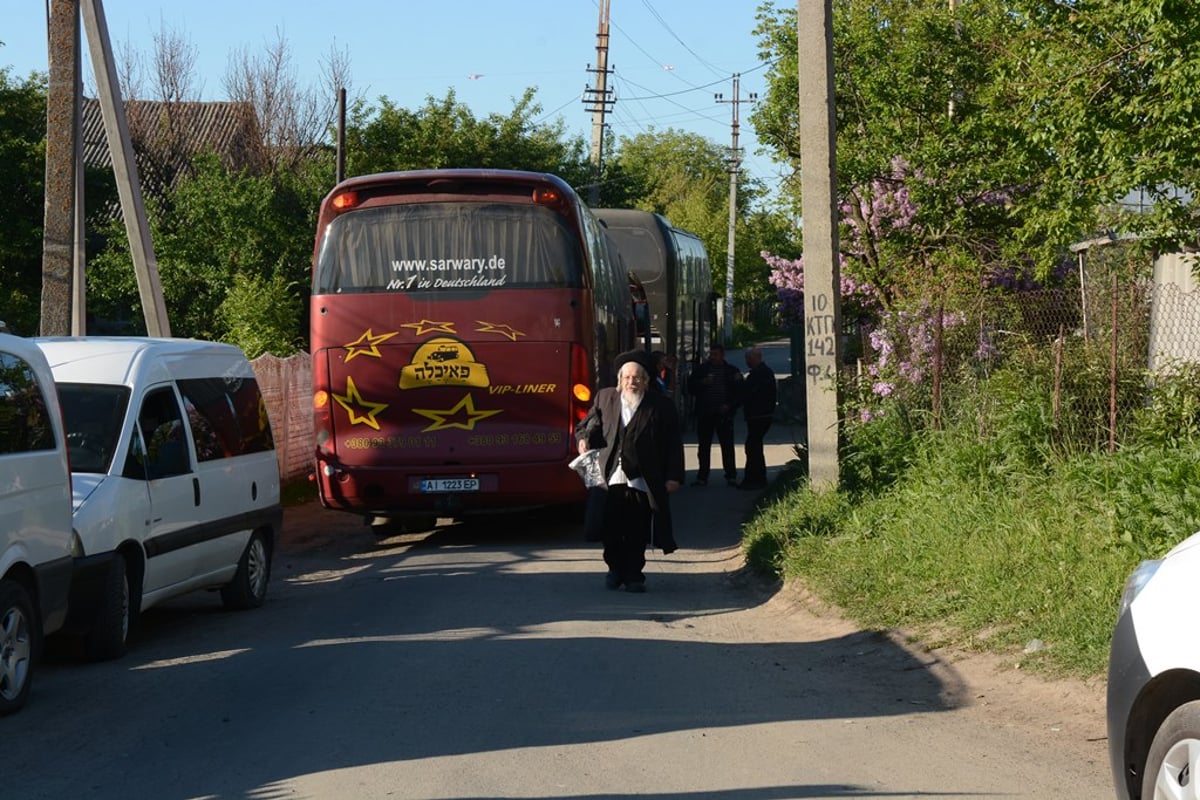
(93, 414)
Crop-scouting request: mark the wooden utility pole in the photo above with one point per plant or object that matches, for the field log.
(599, 101)
(58, 225)
(822, 281)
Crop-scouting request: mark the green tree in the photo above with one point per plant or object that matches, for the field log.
(219, 230)
(929, 155)
(22, 173)
(22, 204)
(685, 177)
(259, 315)
(1013, 129)
(1108, 88)
(445, 134)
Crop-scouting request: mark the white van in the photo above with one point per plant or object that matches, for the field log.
(35, 516)
(175, 478)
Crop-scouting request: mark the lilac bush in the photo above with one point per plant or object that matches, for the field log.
(904, 343)
(879, 210)
(860, 300)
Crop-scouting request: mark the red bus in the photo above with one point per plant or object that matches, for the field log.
(461, 321)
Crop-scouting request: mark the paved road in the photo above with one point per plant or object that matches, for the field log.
(487, 660)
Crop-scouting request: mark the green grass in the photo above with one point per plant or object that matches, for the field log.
(958, 563)
(983, 542)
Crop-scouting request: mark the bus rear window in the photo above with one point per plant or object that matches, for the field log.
(452, 246)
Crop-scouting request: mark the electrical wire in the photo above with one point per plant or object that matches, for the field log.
(663, 22)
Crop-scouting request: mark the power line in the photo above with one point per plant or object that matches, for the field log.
(667, 97)
(667, 27)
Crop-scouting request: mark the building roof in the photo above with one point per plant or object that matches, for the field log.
(166, 138)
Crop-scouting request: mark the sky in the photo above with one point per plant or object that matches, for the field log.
(669, 58)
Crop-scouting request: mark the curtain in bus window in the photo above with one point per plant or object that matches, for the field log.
(447, 247)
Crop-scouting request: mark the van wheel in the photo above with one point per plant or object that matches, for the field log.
(109, 635)
(1167, 772)
(248, 589)
(18, 646)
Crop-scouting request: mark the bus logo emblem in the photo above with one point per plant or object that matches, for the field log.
(443, 362)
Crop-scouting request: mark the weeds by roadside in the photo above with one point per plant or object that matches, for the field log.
(1007, 541)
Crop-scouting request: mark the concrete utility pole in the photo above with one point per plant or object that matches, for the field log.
(822, 281)
(116, 130)
(735, 162)
(58, 224)
(599, 101)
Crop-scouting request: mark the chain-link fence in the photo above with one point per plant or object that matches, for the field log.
(1091, 346)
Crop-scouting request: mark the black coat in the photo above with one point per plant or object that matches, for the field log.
(716, 387)
(652, 447)
(759, 392)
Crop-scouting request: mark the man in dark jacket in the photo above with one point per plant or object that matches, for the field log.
(758, 405)
(641, 453)
(715, 385)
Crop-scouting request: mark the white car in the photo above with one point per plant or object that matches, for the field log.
(35, 516)
(175, 475)
(1154, 680)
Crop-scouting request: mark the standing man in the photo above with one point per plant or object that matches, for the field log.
(641, 454)
(758, 404)
(715, 385)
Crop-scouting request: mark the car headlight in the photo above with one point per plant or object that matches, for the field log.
(1137, 581)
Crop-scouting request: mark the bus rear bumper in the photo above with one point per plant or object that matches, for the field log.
(390, 490)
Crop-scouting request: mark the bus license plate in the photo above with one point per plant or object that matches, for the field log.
(434, 485)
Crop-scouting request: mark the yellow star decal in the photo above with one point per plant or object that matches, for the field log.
(429, 326)
(445, 419)
(352, 400)
(367, 345)
(500, 328)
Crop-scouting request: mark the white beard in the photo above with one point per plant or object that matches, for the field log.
(631, 399)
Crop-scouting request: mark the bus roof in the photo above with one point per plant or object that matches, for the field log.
(446, 179)
(636, 218)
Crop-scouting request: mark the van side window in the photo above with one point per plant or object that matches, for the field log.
(24, 421)
(228, 417)
(161, 424)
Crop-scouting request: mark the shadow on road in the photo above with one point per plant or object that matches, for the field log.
(476, 638)
(473, 638)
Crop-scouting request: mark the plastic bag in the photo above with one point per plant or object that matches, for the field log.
(587, 466)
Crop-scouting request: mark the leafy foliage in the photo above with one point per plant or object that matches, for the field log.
(1008, 524)
(22, 172)
(216, 227)
(259, 315)
(685, 178)
(445, 134)
(1013, 129)
(927, 155)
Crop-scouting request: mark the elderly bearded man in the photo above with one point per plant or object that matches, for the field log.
(641, 453)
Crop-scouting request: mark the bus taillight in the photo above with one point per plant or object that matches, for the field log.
(548, 197)
(581, 384)
(323, 421)
(345, 201)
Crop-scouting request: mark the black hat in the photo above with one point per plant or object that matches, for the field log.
(640, 357)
